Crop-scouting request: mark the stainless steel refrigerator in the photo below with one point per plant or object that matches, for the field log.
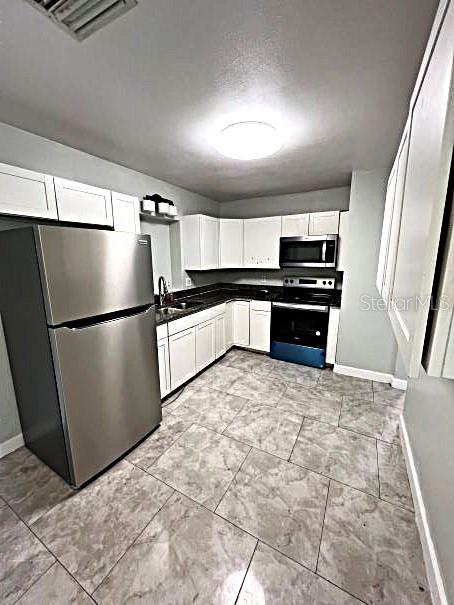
(78, 314)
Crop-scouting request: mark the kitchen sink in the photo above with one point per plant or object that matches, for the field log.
(184, 305)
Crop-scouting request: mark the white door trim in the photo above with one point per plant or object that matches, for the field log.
(434, 575)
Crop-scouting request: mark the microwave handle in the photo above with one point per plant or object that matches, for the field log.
(324, 251)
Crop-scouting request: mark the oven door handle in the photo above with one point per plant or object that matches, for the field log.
(296, 307)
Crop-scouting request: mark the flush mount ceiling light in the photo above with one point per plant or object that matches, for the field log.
(248, 141)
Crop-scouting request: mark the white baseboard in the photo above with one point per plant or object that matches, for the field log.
(433, 571)
(397, 383)
(11, 444)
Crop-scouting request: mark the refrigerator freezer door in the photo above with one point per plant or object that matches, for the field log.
(90, 272)
(108, 381)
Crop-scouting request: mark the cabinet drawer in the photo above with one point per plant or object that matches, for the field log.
(196, 318)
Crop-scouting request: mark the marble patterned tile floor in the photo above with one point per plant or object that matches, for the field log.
(266, 482)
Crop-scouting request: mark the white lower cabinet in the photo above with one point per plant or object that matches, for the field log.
(182, 357)
(164, 366)
(260, 324)
(229, 324)
(221, 343)
(241, 323)
(205, 344)
(333, 328)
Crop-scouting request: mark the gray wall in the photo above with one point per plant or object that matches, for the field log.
(312, 201)
(27, 150)
(365, 337)
(429, 418)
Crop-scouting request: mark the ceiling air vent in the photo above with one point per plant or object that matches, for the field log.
(81, 18)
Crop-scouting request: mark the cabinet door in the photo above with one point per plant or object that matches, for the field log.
(164, 366)
(126, 212)
(182, 357)
(295, 225)
(261, 242)
(260, 330)
(426, 185)
(221, 345)
(26, 193)
(241, 323)
(209, 242)
(79, 203)
(229, 324)
(230, 243)
(333, 328)
(205, 344)
(343, 242)
(190, 226)
(323, 223)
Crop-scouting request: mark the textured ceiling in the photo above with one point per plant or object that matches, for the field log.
(151, 90)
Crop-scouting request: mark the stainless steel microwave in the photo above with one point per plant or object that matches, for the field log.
(308, 251)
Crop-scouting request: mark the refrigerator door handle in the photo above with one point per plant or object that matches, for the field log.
(83, 324)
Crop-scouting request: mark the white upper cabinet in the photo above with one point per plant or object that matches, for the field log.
(126, 212)
(79, 203)
(425, 190)
(231, 242)
(343, 241)
(26, 193)
(295, 225)
(323, 223)
(200, 242)
(261, 242)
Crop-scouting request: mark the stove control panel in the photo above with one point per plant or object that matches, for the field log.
(323, 283)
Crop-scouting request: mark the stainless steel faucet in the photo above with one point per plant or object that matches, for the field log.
(163, 290)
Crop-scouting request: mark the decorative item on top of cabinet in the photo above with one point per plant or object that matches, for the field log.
(426, 184)
(261, 242)
(27, 193)
(342, 242)
(200, 242)
(295, 225)
(79, 203)
(231, 243)
(324, 223)
(126, 212)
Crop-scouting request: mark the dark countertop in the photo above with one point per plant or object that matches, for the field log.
(217, 294)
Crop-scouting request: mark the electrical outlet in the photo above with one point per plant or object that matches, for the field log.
(188, 282)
